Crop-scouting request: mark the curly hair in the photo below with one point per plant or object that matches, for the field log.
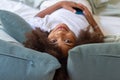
(37, 40)
(87, 37)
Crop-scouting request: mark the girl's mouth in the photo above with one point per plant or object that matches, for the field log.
(62, 28)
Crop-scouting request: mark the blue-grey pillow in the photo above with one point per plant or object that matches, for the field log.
(14, 25)
(19, 63)
(95, 62)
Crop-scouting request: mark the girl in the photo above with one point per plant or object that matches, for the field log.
(57, 29)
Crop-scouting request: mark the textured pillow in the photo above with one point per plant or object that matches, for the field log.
(19, 63)
(95, 62)
(14, 25)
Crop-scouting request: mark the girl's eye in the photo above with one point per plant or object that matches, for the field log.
(53, 40)
(68, 41)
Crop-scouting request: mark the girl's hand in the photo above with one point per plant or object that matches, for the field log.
(70, 5)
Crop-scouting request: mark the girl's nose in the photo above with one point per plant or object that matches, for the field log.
(60, 33)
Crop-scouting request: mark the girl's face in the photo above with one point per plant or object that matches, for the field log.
(63, 37)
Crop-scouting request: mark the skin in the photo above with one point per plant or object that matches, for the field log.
(69, 6)
(63, 37)
(62, 4)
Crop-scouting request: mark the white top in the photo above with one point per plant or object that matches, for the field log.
(75, 22)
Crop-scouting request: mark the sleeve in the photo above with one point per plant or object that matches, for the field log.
(35, 22)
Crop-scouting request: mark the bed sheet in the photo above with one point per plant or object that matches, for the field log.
(110, 25)
(106, 7)
(19, 8)
(32, 3)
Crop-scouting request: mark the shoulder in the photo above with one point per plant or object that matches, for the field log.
(36, 21)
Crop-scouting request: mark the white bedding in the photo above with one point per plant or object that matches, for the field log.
(23, 10)
(106, 7)
(109, 25)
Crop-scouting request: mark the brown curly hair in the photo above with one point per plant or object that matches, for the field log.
(87, 37)
(37, 40)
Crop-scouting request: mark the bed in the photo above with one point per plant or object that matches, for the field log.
(85, 62)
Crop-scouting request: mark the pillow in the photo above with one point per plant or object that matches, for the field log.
(20, 63)
(95, 62)
(14, 25)
(6, 37)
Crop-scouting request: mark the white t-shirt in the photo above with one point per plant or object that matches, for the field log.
(75, 22)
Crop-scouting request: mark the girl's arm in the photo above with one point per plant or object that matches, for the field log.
(62, 4)
(90, 19)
